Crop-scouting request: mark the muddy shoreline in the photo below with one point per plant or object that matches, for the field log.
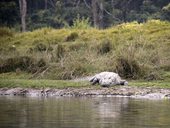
(125, 91)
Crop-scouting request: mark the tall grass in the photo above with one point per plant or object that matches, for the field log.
(133, 50)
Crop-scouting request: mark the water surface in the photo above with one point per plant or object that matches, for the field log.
(84, 112)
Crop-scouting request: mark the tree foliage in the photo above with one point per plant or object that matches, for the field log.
(100, 13)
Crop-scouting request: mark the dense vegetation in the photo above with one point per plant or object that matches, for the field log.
(135, 51)
(62, 13)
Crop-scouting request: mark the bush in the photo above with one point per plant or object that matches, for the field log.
(104, 47)
(57, 53)
(81, 23)
(72, 37)
(24, 63)
(75, 46)
(128, 68)
(11, 64)
(40, 47)
(153, 75)
(4, 31)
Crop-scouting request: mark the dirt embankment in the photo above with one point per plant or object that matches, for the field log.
(127, 91)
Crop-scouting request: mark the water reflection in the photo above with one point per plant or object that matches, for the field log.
(108, 110)
(99, 112)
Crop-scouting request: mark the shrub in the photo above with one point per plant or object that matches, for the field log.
(4, 31)
(81, 23)
(24, 63)
(104, 47)
(153, 75)
(75, 46)
(11, 64)
(40, 47)
(57, 53)
(128, 68)
(72, 37)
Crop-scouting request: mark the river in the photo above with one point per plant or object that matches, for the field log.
(83, 112)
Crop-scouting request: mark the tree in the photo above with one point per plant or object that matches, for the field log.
(35, 14)
(166, 12)
(95, 15)
(8, 13)
(101, 14)
(46, 4)
(97, 11)
(23, 11)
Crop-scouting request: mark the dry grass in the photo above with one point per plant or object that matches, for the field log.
(133, 50)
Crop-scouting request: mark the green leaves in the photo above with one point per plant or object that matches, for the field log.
(81, 23)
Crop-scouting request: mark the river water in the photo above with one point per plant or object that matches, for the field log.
(83, 112)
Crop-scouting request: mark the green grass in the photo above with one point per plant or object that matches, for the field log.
(61, 84)
(11, 80)
(23, 83)
(156, 84)
(14, 75)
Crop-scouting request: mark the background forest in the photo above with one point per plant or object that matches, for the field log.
(35, 14)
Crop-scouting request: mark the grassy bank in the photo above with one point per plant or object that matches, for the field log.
(135, 51)
(60, 84)
(23, 83)
(12, 80)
